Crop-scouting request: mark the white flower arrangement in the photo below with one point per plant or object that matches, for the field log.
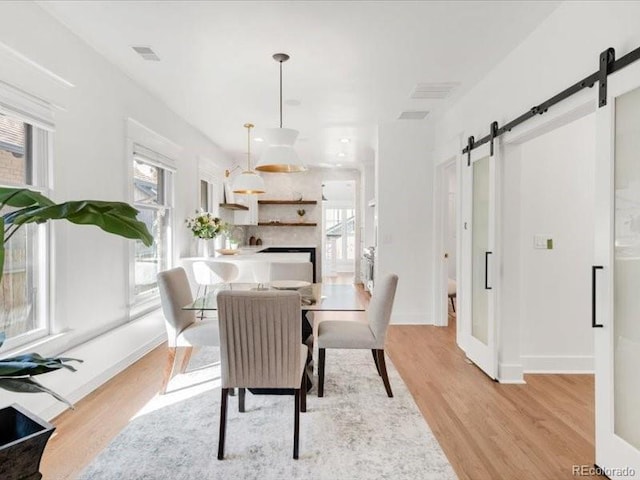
(205, 225)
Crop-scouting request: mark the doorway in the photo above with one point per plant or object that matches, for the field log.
(446, 217)
(339, 231)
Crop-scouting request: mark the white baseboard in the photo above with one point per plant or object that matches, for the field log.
(558, 364)
(103, 357)
(510, 373)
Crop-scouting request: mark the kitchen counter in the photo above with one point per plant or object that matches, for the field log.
(254, 262)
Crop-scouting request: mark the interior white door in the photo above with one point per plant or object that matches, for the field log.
(616, 278)
(479, 260)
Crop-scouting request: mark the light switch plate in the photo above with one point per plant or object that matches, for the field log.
(543, 241)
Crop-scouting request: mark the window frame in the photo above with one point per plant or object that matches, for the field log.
(142, 303)
(39, 153)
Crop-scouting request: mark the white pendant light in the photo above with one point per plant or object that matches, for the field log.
(279, 155)
(248, 182)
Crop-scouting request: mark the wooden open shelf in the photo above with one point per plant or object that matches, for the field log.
(283, 224)
(233, 206)
(287, 202)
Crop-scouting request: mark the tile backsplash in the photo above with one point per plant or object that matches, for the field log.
(292, 186)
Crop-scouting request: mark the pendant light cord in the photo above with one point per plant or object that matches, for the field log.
(248, 126)
(280, 94)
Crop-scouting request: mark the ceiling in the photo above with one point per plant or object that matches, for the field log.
(353, 64)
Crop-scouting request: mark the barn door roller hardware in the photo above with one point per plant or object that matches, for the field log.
(606, 66)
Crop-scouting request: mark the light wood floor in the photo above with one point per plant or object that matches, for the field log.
(487, 430)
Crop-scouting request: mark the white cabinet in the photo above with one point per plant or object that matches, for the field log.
(246, 217)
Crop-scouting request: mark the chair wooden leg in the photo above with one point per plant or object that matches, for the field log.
(303, 393)
(375, 359)
(185, 359)
(168, 369)
(453, 305)
(321, 353)
(241, 394)
(223, 422)
(383, 372)
(296, 423)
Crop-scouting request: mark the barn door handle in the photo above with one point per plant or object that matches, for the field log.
(594, 323)
(486, 270)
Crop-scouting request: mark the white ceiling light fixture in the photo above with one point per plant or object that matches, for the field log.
(345, 140)
(279, 156)
(248, 182)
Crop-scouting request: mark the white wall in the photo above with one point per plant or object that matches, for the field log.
(404, 192)
(369, 194)
(562, 50)
(95, 99)
(556, 333)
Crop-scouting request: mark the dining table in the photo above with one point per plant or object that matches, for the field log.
(315, 297)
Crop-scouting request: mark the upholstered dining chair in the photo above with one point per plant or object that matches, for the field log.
(261, 347)
(302, 271)
(291, 271)
(183, 331)
(359, 335)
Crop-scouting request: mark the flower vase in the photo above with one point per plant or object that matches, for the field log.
(206, 247)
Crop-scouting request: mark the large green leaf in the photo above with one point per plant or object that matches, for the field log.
(33, 364)
(1, 257)
(29, 385)
(114, 217)
(22, 197)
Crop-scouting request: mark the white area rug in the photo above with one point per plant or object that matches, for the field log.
(355, 431)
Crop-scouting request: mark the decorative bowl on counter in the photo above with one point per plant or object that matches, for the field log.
(228, 251)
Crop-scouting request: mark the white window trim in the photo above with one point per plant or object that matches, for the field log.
(26, 107)
(150, 147)
(38, 113)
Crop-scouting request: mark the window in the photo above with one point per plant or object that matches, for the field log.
(24, 289)
(340, 239)
(153, 197)
(208, 199)
(340, 224)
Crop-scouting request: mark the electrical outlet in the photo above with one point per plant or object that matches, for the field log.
(543, 241)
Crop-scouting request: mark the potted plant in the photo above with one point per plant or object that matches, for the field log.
(23, 436)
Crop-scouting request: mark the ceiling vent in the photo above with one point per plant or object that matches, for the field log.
(433, 90)
(147, 53)
(413, 115)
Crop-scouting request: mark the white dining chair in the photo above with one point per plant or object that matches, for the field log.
(358, 335)
(183, 331)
